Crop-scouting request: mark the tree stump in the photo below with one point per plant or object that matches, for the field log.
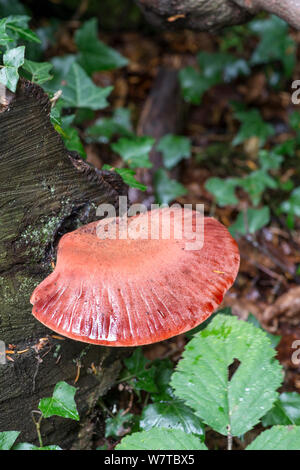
(45, 192)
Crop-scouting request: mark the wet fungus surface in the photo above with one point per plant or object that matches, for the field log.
(137, 281)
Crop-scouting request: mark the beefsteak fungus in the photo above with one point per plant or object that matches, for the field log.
(136, 282)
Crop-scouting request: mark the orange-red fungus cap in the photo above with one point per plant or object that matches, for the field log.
(136, 290)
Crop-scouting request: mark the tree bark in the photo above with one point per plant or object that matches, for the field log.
(213, 15)
(45, 192)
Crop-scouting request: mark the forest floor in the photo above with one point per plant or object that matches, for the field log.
(268, 284)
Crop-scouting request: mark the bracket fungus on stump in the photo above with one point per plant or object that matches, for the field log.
(136, 281)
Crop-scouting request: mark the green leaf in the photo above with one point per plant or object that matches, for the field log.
(174, 148)
(94, 55)
(250, 221)
(7, 439)
(275, 43)
(166, 189)
(72, 140)
(161, 439)
(221, 66)
(18, 24)
(269, 160)
(277, 438)
(193, 85)
(223, 190)
(137, 366)
(27, 446)
(115, 426)
(275, 339)
(256, 183)
(61, 403)
(80, 91)
(135, 150)
(61, 67)
(104, 129)
(286, 410)
(39, 71)
(292, 205)
(171, 415)
(127, 176)
(202, 376)
(12, 60)
(4, 37)
(252, 125)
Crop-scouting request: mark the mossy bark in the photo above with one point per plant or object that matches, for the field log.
(45, 192)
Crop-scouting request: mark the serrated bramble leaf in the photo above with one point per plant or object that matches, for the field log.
(161, 439)
(172, 414)
(275, 339)
(250, 221)
(61, 403)
(135, 150)
(277, 438)
(202, 376)
(7, 439)
(94, 55)
(174, 148)
(81, 92)
(285, 411)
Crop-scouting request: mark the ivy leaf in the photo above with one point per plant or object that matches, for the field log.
(171, 415)
(127, 176)
(220, 402)
(269, 160)
(252, 125)
(193, 85)
(61, 67)
(72, 140)
(174, 148)
(221, 66)
(61, 403)
(12, 60)
(166, 189)
(18, 24)
(275, 43)
(256, 183)
(80, 91)
(39, 71)
(223, 190)
(135, 150)
(277, 438)
(7, 439)
(4, 37)
(137, 367)
(161, 439)
(104, 129)
(292, 205)
(251, 221)
(94, 55)
(286, 410)
(115, 426)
